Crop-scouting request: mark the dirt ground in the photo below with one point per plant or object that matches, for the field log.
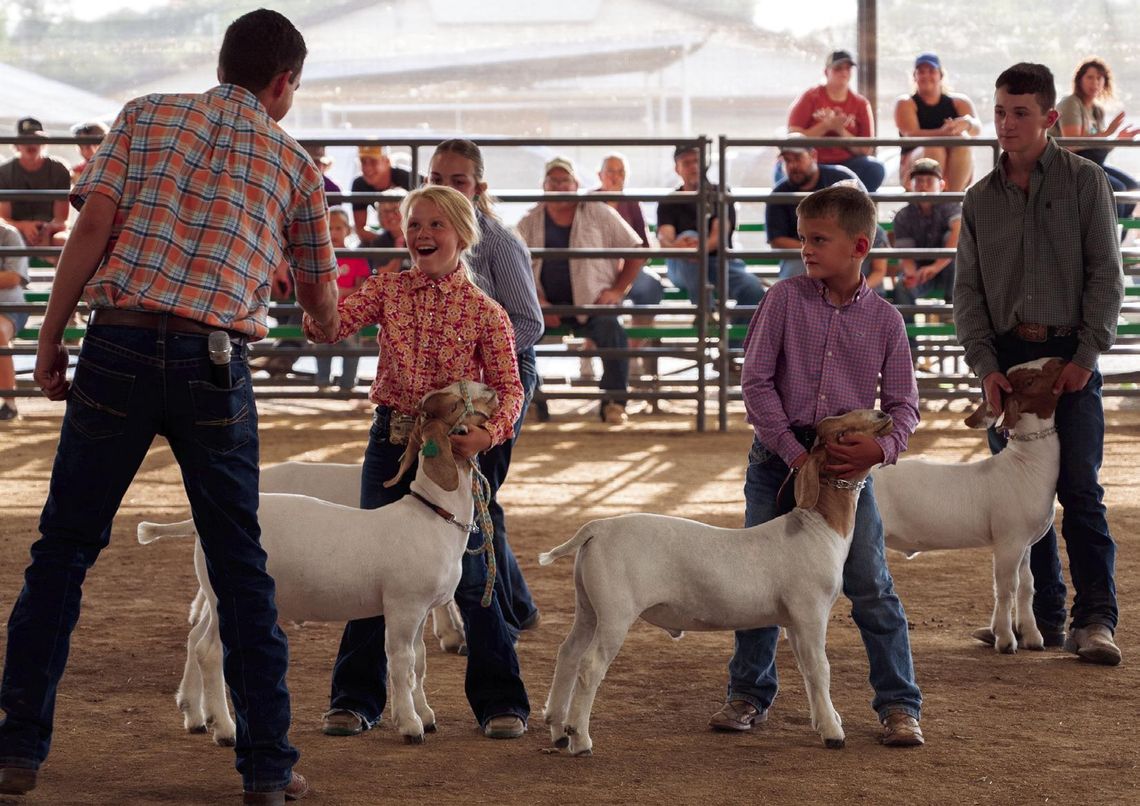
(1033, 728)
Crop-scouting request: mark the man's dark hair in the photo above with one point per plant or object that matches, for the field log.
(258, 46)
(1026, 78)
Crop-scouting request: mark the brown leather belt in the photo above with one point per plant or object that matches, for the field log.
(1029, 331)
(153, 320)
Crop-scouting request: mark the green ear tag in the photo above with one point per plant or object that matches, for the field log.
(430, 449)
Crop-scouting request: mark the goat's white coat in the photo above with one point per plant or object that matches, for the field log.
(338, 563)
(1004, 501)
(681, 575)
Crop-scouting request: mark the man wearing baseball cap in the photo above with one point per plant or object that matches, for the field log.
(921, 225)
(588, 280)
(33, 169)
(833, 109)
(376, 176)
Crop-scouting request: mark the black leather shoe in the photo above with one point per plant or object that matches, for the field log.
(17, 780)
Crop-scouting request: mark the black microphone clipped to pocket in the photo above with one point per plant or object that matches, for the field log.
(220, 349)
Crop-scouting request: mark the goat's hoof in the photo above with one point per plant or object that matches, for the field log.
(561, 743)
(225, 741)
(834, 744)
(584, 753)
(195, 728)
(550, 751)
(1007, 650)
(430, 728)
(462, 651)
(414, 738)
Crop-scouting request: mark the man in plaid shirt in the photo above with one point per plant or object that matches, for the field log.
(192, 208)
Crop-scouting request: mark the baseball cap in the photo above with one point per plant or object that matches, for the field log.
(926, 165)
(29, 127)
(371, 151)
(684, 149)
(792, 147)
(838, 57)
(560, 162)
(928, 58)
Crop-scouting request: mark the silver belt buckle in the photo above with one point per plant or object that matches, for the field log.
(399, 428)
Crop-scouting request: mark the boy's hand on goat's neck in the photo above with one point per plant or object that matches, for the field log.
(475, 440)
(1073, 378)
(853, 454)
(995, 387)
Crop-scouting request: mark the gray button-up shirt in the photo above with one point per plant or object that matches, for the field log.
(1051, 257)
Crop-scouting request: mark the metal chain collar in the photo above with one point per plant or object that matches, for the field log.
(1045, 432)
(842, 484)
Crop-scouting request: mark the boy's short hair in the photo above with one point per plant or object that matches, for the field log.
(342, 213)
(259, 45)
(851, 208)
(1027, 78)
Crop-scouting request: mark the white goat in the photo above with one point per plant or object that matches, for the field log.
(1004, 501)
(336, 563)
(680, 575)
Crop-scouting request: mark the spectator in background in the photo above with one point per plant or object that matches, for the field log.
(351, 272)
(324, 162)
(934, 111)
(86, 150)
(646, 289)
(926, 224)
(13, 281)
(584, 281)
(1082, 114)
(33, 169)
(677, 228)
(391, 235)
(377, 175)
(833, 109)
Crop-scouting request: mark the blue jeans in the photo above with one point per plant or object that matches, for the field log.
(867, 582)
(870, 171)
(744, 288)
(347, 378)
(131, 384)
(515, 600)
(646, 290)
(1091, 549)
(943, 281)
(607, 331)
(494, 685)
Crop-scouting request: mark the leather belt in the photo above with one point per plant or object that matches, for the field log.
(153, 320)
(1030, 331)
(399, 425)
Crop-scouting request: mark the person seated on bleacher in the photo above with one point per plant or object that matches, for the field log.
(933, 111)
(1082, 114)
(33, 169)
(86, 150)
(13, 281)
(646, 288)
(926, 224)
(377, 175)
(324, 162)
(677, 229)
(834, 109)
(584, 281)
(391, 235)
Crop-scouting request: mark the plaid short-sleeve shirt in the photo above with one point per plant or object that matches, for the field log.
(213, 198)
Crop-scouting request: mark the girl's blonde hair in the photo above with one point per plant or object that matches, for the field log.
(455, 207)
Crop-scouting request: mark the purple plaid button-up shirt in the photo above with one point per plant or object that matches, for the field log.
(806, 359)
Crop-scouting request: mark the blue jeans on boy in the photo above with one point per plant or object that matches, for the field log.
(1092, 551)
(867, 582)
(131, 384)
(514, 596)
(494, 685)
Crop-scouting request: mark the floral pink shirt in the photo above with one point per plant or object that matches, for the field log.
(432, 334)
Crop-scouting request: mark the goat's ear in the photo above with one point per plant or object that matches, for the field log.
(408, 457)
(980, 417)
(1012, 412)
(807, 480)
(438, 460)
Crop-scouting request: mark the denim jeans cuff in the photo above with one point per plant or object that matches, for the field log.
(748, 698)
(19, 763)
(900, 708)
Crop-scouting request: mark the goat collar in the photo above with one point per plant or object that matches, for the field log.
(843, 484)
(443, 513)
(1044, 432)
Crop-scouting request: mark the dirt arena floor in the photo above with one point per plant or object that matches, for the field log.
(1034, 728)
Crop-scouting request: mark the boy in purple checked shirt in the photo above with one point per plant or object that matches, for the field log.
(821, 344)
